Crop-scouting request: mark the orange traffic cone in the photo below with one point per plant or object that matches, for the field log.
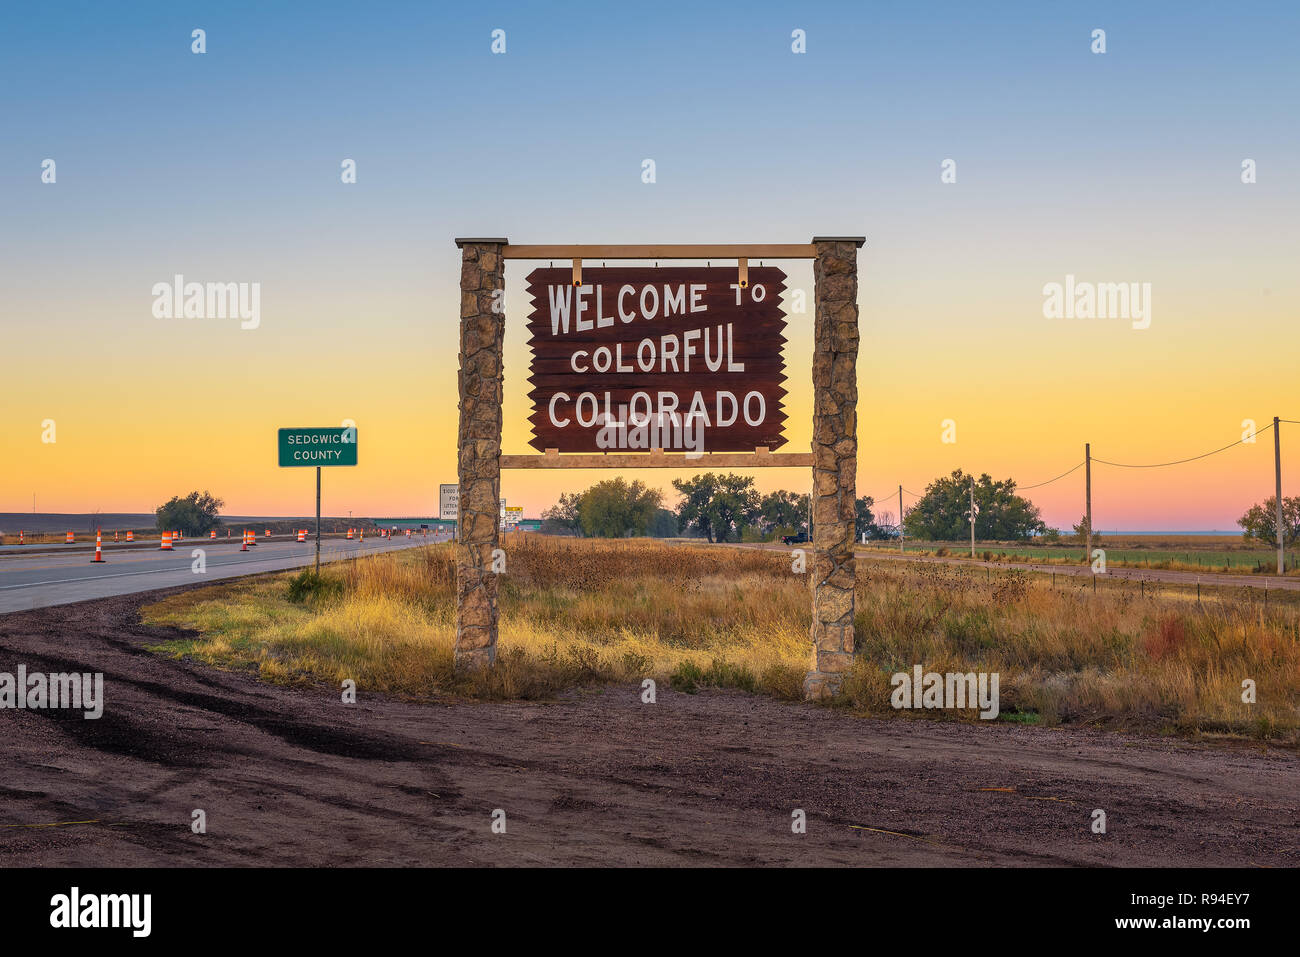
(99, 548)
(130, 536)
(363, 535)
(166, 545)
(20, 537)
(176, 535)
(244, 547)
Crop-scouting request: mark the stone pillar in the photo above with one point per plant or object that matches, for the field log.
(835, 461)
(482, 329)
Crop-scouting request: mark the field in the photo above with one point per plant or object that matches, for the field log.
(590, 612)
(1207, 553)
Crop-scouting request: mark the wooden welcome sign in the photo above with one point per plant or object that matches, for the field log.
(683, 359)
(647, 367)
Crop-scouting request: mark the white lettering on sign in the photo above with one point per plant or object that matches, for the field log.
(449, 502)
(335, 438)
(316, 455)
(704, 348)
(566, 302)
(591, 408)
(713, 344)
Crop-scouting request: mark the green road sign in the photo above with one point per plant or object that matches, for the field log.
(299, 447)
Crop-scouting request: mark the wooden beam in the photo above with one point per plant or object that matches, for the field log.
(658, 459)
(667, 251)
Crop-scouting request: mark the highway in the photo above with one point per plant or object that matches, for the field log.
(42, 579)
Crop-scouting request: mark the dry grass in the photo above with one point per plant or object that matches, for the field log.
(1068, 654)
(586, 612)
(1188, 553)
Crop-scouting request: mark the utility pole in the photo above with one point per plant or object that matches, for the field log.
(1087, 499)
(900, 518)
(972, 516)
(1277, 475)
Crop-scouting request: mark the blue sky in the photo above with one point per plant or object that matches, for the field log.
(1117, 166)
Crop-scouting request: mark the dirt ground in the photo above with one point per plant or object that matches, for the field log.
(295, 777)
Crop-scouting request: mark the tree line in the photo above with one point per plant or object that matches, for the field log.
(727, 507)
(718, 507)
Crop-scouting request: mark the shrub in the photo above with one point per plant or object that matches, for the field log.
(307, 586)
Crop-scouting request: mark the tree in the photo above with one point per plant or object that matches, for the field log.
(717, 505)
(693, 510)
(885, 527)
(562, 518)
(1081, 532)
(194, 514)
(1260, 521)
(943, 513)
(664, 524)
(782, 510)
(616, 509)
(864, 523)
(734, 505)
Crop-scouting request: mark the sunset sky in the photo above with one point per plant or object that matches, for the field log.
(225, 167)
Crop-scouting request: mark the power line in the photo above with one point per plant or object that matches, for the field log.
(1026, 488)
(875, 498)
(1194, 458)
(1022, 488)
(1123, 465)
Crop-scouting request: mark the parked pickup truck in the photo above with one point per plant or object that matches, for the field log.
(799, 539)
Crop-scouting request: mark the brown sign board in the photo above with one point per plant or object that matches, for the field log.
(636, 358)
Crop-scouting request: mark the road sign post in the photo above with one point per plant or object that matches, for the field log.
(303, 448)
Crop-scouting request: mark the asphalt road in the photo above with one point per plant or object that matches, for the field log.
(41, 580)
